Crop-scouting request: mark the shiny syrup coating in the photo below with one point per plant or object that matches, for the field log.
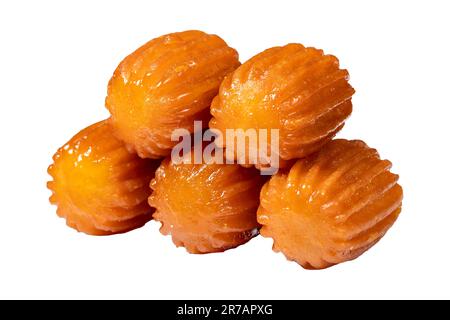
(331, 206)
(206, 207)
(299, 91)
(98, 186)
(165, 85)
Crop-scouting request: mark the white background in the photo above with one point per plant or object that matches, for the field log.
(56, 58)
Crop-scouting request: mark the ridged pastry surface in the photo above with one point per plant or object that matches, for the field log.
(300, 91)
(164, 85)
(98, 186)
(331, 206)
(206, 207)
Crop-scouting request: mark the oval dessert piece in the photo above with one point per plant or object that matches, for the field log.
(98, 186)
(331, 206)
(167, 84)
(206, 207)
(299, 91)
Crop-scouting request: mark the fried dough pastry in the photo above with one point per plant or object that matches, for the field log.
(164, 85)
(206, 207)
(297, 90)
(98, 186)
(331, 206)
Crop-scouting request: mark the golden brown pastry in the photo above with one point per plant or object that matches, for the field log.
(98, 186)
(331, 206)
(299, 91)
(206, 207)
(164, 85)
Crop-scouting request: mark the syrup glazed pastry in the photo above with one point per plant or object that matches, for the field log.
(206, 207)
(167, 84)
(98, 186)
(298, 90)
(331, 206)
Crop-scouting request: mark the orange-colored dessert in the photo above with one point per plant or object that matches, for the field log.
(164, 85)
(99, 187)
(331, 206)
(206, 207)
(299, 91)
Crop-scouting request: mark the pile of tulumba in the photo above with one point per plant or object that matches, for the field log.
(327, 201)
